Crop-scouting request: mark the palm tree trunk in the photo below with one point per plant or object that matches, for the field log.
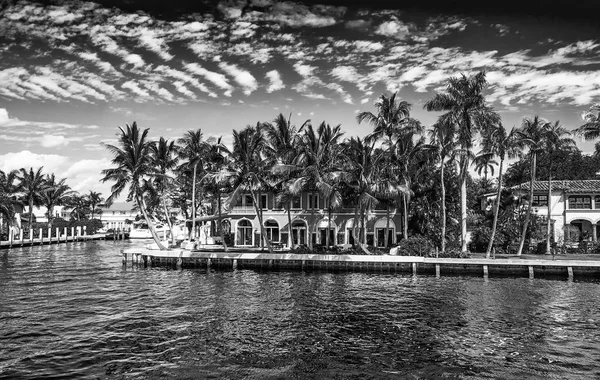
(220, 220)
(405, 212)
(443, 188)
(387, 226)
(528, 214)
(549, 224)
(142, 206)
(289, 215)
(166, 211)
(30, 213)
(463, 205)
(328, 226)
(355, 224)
(193, 233)
(50, 213)
(260, 221)
(496, 210)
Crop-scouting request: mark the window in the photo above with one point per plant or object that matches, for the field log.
(263, 201)
(597, 201)
(248, 201)
(244, 233)
(123, 213)
(540, 200)
(297, 203)
(580, 202)
(272, 230)
(313, 201)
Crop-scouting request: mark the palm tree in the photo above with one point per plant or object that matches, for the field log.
(484, 162)
(498, 142)
(467, 111)
(284, 140)
(557, 139)
(9, 196)
(80, 207)
(249, 170)
(320, 167)
(531, 135)
(442, 139)
(95, 199)
(55, 194)
(216, 160)
(132, 158)
(590, 130)
(164, 160)
(32, 185)
(193, 150)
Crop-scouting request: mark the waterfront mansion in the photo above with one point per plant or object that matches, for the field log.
(574, 204)
(309, 220)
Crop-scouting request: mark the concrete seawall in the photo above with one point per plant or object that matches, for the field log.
(179, 258)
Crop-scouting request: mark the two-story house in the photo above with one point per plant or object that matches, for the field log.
(309, 221)
(575, 204)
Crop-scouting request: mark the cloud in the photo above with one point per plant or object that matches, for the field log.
(298, 15)
(241, 76)
(275, 81)
(217, 79)
(394, 28)
(133, 86)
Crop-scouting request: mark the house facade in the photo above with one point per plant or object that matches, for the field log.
(574, 205)
(309, 221)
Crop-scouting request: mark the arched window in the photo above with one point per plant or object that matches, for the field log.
(272, 230)
(244, 232)
(299, 232)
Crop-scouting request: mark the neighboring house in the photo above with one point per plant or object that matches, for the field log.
(309, 221)
(572, 203)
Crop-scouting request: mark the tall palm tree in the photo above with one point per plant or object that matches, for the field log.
(321, 168)
(80, 206)
(32, 184)
(467, 111)
(530, 136)
(284, 141)
(498, 142)
(557, 139)
(249, 170)
(216, 159)
(193, 149)
(95, 199)
(442, 138)
(55, 194)
(484, 162)
(590, 130)
(133, 169)
(165, 160)
(9, 197)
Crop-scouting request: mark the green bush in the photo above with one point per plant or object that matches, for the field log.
(416, 246)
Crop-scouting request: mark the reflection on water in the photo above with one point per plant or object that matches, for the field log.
(73, 311)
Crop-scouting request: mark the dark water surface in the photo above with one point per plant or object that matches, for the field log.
(73, 311)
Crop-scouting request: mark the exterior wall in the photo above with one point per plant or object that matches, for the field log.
(314, 221)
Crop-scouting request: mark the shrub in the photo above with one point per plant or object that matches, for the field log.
(415, 246)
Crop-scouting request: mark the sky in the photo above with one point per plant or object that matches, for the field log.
(72, 72)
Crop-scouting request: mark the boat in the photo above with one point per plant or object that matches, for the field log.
(143, 232)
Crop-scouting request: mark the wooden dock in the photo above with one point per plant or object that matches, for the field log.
(179, 258)
(75, 235)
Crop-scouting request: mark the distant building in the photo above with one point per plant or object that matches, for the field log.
(574, 204)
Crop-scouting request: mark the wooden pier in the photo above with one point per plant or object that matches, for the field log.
(179, 258)
(65, 237)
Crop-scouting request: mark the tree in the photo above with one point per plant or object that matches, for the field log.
(284, 141)
(55, 194)
(9, 196)
(80, 207)
(32, 185)
(216, 160)
(530, 136)
(557, 139)
(132, 161)
(467, 112)
(498, 142)
(249, 170)
(95, 199)
(590, 130)
(164, 160)
(442, 139)
(193, 149)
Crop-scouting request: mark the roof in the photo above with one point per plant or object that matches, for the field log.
(120, 206)
(569, 186)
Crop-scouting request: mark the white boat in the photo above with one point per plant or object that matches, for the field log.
(143, 232)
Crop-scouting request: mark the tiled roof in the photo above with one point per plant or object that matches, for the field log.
(569, 186)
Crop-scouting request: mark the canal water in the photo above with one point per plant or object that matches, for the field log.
(73, 311)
